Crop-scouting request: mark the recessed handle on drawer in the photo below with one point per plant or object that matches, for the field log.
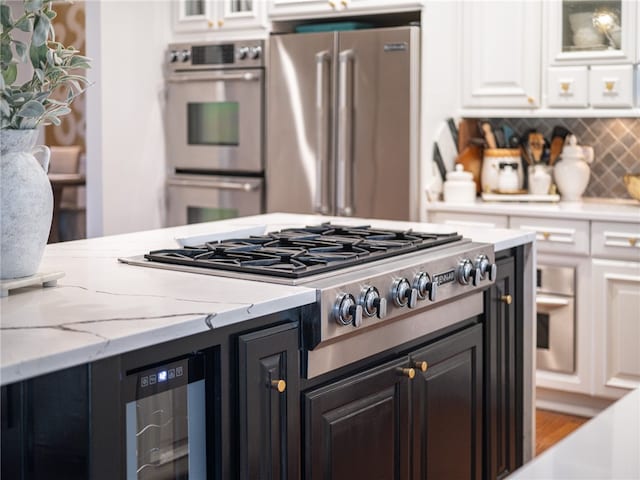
(279, 385)
(241, 186)
(549, 301)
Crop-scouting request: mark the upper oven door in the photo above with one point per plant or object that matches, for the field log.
(214, 120)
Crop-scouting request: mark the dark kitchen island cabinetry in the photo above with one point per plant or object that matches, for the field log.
(269, 403)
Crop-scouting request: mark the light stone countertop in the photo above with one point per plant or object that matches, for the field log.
(606, 210)
(102, 308)
(606, 447)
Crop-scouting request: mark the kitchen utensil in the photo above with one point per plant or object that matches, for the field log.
(558, 135)
(454, 132)
(437, 159)
(459, 186)
(536, 146)
(447, 147)
(508, 133)
(471, 159)
(514, 141)
(489, 137)
(500, 138)
(632, 182)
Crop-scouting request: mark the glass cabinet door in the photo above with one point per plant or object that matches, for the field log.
(591, 25)
(589, 31)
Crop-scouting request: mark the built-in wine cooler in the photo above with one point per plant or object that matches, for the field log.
(165, 427)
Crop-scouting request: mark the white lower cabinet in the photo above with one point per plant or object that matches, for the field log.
(616, 340)
(606, 259)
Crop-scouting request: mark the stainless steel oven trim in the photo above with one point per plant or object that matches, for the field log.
(244, 185)
(560, 356)
(333, 355)
(216, 75)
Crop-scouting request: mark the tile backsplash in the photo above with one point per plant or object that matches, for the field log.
(616, 142)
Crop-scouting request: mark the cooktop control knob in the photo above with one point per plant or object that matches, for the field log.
(173, 56)
(467, 273)
(242, 52)
(486, 268)
(425, 287)
(255, 52)
(372, 303)
(403, 294)
(346, 311)
(185, 55)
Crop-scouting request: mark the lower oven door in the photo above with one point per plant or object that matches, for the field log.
(555, 333)
(202, 198)
(165, 421)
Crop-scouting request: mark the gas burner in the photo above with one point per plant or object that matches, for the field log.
(301, 252)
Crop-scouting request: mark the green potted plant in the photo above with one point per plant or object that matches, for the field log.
(28, 49)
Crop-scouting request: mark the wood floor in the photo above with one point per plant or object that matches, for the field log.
(552, 427)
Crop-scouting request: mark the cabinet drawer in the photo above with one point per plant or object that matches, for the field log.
(469, 220)
(615, 240)
(611, 86)
(568, 87)
(556, 236)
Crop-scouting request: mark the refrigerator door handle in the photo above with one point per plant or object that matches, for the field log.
(344, 174)
(321, 197)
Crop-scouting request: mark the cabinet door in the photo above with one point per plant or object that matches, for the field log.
(302, 8)
(616, 297)
(269, 404)
(501, 54)
(447, 408)
(241, 14)
(501, 390)
(359, 427)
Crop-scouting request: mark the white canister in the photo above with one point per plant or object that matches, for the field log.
(459, 186)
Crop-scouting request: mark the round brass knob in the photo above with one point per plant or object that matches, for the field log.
(531, 100)
(210, 23)
(344, 3)
(332, 4)
(422, 366)
(407, 372)
(506, 299)
(546, 235)
(279, 385)
(633, 241)
(564, 86)
(220, 22)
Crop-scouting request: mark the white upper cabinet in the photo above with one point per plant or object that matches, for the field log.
(501, 54)
(588, 32)
(285, 9)
(219, 15)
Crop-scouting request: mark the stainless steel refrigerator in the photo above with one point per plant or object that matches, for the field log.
(342, 123)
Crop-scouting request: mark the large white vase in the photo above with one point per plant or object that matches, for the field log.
(26, 203)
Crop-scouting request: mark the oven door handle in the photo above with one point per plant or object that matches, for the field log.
(219, 184)
(215, 76)
(549, 301)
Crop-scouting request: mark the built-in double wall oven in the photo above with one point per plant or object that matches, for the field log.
(215, 131)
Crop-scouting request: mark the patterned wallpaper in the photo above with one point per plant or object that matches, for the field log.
(616, 143)
(69, 27)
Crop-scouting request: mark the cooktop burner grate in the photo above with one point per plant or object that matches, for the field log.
(301, 252)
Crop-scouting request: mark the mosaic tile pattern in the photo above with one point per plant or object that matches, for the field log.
(616, 142)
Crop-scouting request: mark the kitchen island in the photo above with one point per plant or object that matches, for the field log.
(105, 316)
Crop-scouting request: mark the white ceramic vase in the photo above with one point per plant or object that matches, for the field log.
(572, 172)
(26, 203)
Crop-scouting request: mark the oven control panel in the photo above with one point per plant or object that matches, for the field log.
(406, 284)
(215, 55)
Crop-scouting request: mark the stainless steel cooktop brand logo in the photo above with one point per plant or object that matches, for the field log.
(446, 277)
(396, 47)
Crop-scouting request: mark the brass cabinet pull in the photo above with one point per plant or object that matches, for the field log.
(210, 23)
(220, 22)
(546, 235)
(608, 85)
(422, 366)
(407, 372)
(344, 3)
(564, 86)
(531, 100)
(633, 241)
(506, 299)
(279, 385)
(332, 4)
